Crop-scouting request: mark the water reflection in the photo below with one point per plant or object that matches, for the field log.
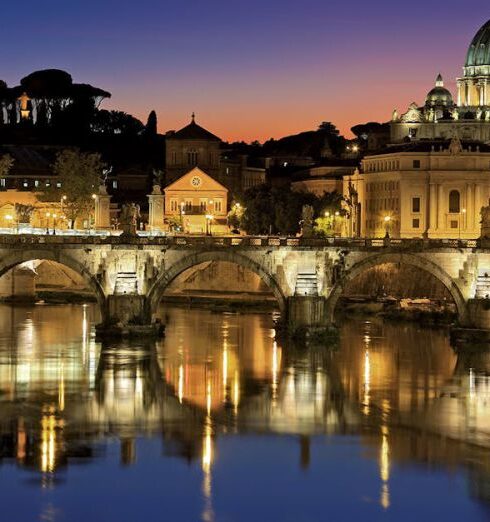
(402, 390)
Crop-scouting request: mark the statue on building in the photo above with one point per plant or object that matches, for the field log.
(130, 214)
(485, 222)
(395, 116)
(455, 114)
(479, 113)
(455, 147)
(307, 221)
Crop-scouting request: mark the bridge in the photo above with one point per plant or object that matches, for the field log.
(307, 276)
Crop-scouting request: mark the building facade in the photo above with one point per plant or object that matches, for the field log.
(425, 189)
(442, 116)
(196, 204)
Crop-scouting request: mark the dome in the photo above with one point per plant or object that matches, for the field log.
(439, 96)
(479, 51)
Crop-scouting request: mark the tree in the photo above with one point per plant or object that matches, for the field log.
(23, 212)
(117, 122)
(6, 162)
(79, 174)
(151, 124)
(235, 216)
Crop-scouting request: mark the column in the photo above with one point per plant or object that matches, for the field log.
(460, 90)
(155, 213)
(440, 207)
(469, 219)
(103, 211)
(478, 204)
(432, 206)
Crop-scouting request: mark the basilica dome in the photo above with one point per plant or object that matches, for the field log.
(439, 96)
(479, 51)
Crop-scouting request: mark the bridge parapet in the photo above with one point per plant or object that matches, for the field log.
(176, 241)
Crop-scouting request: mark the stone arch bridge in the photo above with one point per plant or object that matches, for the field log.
(307, 276)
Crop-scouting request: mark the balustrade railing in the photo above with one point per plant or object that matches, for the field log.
(188, 241)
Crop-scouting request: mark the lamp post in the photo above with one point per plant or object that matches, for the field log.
(461, 218)
(209, 218)
(47, 222)
(9, 219)
(387, 220)
(54, 224)
(94, 197)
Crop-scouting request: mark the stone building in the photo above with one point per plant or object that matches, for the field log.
(423, 189)
(442, 115)
(191, 146)
(196, 203)
(194, 146)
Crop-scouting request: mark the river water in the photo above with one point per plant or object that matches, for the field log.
(221, 422)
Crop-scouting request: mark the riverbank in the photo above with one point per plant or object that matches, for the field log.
(423, 311)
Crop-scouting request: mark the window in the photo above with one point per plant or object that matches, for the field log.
(58, 184)
(25, 183)
(174, 205)
(2, 182)
(192, 156)
(416, 205)
(454, 224)
(217, 205)
(188, 205)
(454, 202)
(48, 183)
(114, 184)
(36, 183)
(416, 164)
(415, 223)
(203, 205)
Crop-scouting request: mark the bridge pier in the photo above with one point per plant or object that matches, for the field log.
(128, 315)
(307, 317)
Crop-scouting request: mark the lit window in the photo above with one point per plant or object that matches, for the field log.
(58, 184)
(48, 183)
(36, 183)
(25, 184)
(114, 184)
(2, 182)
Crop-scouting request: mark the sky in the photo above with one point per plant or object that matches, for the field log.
(250, 70)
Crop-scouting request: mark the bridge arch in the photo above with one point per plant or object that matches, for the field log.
(405, 258)
(158, 288)
(23, 256)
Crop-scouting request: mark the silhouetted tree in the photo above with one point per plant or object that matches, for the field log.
(116, 122)
(151, 124)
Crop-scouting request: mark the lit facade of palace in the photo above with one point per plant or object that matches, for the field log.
(427, 189)
(440, 116)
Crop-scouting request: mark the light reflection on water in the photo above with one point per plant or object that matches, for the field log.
(393, 413)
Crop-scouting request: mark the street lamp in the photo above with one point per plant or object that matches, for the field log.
(461, 218)
(209, 218)
(54, 224)
(94, 197)
(387, 220)
(47, 222)
(9, 219)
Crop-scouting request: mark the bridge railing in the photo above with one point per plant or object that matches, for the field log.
(187, 241)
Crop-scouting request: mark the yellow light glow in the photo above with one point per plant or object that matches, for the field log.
(181, 383)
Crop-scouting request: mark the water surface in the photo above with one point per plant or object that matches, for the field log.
(220, 421)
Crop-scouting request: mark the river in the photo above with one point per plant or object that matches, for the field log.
(220, 421)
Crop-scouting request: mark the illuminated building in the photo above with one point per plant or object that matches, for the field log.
(197, 203)
(442, 115)
(432, 189)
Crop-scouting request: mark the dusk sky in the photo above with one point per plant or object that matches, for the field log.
(249, 69)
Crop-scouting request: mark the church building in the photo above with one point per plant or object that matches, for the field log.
(196, 204)
(442, 115)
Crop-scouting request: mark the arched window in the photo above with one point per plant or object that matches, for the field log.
(454, 202)
(192, 157)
